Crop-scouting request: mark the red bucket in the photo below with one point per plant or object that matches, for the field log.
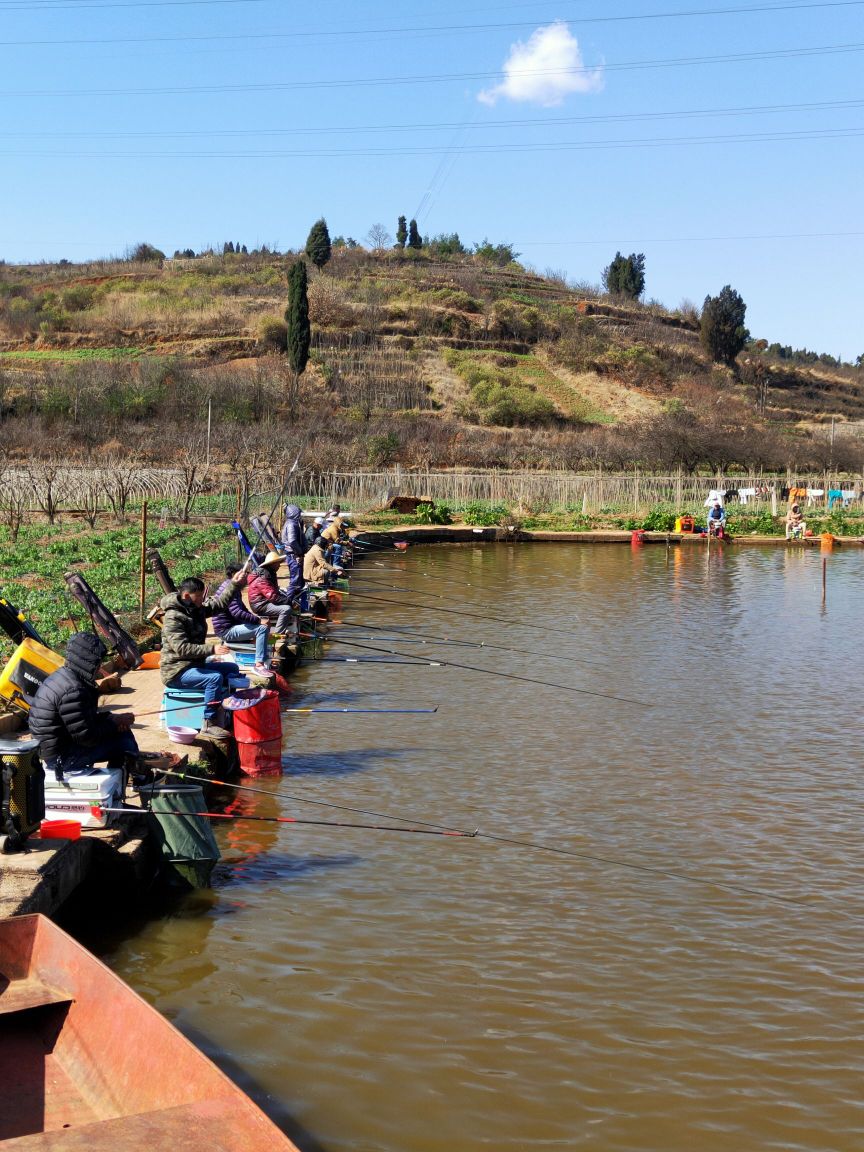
(260, 722)
(261, 759)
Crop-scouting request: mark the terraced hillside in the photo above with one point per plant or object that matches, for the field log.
(417, 348)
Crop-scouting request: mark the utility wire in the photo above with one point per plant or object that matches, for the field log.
(475, 149)
(441, 77)
(439, 126)
(404, 30)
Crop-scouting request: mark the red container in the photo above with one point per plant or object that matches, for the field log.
(261, 759)
(60, 830)
(260, 722)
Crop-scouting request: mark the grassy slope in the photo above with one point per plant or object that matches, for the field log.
(595, 362)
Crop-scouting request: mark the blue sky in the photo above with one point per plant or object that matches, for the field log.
(722, 139)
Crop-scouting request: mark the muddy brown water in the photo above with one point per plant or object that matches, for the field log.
(680, 968)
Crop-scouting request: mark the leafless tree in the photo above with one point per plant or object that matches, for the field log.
(120, 478)
(45, 480)
(193, 472)
(379, 238)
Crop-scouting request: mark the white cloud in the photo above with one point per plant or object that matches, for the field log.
(545, 70)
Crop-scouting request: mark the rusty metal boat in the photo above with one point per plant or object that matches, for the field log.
(87, 1065)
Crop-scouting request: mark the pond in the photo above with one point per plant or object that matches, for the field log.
(655, 941)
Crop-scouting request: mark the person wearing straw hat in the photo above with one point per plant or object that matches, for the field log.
(270, 602)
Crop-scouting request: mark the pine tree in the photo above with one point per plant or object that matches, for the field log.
(318, 247)
(625, 276)
(414, 240)
(401, 232)
(722, 325)
(299, 330)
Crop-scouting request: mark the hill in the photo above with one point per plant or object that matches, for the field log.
(416, 357)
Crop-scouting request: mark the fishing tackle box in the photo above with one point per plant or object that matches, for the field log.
(77, 794)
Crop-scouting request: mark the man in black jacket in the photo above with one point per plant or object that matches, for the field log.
(72, 734)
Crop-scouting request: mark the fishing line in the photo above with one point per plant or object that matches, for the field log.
(307, 800)
(648, 868)
(456, 834)
(472, 615)
(504, 675)
(445, 830)
(426, 639)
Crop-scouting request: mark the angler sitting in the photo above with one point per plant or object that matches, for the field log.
(186, 648)
(313, 531)
(268, 600)
(795, 526)
(235, 624)
(72, 734)
(333, 532)
(717, 520)
(316, 569)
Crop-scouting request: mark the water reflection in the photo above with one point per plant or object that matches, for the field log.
(397, 992)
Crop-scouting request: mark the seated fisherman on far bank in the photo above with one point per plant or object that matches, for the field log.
(717, 520)
(73, 735)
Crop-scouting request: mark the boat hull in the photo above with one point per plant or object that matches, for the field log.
(88, 1065)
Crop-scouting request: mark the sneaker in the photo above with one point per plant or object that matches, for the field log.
(260, 669)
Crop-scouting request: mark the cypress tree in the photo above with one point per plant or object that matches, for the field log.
(722, 325)
(297, 318)
(625, 276)
(318, 246)
(401, 232)
(414, 240)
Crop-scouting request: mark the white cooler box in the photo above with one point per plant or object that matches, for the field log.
(74, 797)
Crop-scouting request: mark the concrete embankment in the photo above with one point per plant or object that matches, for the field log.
(464, 534)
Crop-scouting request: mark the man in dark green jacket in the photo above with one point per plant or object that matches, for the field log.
(187, 649)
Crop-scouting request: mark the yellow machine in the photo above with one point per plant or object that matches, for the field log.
(30, 664)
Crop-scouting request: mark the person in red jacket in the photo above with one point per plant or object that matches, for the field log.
(268, 600)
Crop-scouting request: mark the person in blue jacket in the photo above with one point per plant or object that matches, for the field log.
(717, 520)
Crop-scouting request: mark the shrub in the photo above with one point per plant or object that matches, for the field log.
(659, 520)
(382, 448)
(433, 514)
(485, 515)
(273, 333)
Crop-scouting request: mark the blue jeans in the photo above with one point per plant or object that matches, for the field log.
(79, 759)
(243, 633)
(211, 679)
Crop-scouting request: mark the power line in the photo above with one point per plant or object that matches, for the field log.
(421, 30)
(441, 77)
(650, 143)
(50, 7)
(534, 122)
(693, 239)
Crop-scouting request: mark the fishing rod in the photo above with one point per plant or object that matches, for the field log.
(410, 662)
(503, 675)
(291, 472)
(307, 711)
(473, 615)
(306, 800)
(534, 845)
(425, 639)
(97, 809)
(367, 546)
